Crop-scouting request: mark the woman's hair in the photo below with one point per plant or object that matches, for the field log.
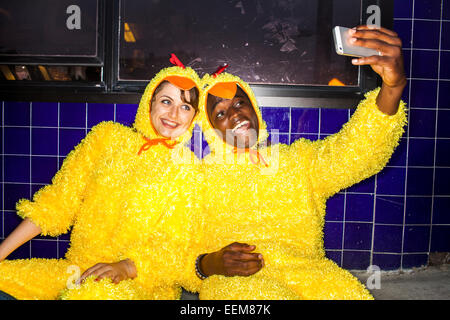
(193, 94)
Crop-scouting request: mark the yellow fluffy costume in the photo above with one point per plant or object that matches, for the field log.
(126, 193)
(275, 196)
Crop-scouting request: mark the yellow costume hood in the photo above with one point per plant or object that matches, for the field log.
(184, 79)
(224, 85)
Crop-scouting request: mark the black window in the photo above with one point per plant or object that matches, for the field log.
(108, 49)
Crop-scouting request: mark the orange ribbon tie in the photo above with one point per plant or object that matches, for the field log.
(253, 154)
(154, 142)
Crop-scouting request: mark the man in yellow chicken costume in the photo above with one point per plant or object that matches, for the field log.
(265, 204)
(271, 196)
(128, 193)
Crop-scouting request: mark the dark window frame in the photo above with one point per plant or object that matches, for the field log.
(110, 90)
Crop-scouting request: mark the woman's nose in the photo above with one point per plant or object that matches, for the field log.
(173, 112)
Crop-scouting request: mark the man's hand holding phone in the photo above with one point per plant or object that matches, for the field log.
(389, 64)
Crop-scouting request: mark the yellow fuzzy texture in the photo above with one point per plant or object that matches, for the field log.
(105, 289)
(161, 209)
(118, 205)
(34, 279)
(281, 208)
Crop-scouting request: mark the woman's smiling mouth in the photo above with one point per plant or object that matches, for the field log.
(169, 124)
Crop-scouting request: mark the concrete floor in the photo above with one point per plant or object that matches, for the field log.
(430, 283)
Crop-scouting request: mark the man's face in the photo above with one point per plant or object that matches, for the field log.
(235, 119)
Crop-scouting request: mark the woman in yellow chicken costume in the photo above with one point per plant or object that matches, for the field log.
(127, 193)
(273, 197)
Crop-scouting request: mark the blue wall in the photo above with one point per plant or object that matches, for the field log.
(392, 220)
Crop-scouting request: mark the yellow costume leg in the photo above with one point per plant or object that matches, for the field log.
(33, 279)
(105, 289)
(255, 287)
(321, 279)
(311, 279)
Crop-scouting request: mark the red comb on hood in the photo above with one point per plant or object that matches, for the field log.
(176, 61)
(219, 70)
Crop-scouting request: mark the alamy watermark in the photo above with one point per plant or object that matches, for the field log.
(73, 21)
(374, 280)
(73, 280)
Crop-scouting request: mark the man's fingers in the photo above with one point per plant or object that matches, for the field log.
(240, 268)
(372, 60)
(376, 35)
(244, 256)
(241, 246)
(239, 260)
(381, 46)
(381, 29)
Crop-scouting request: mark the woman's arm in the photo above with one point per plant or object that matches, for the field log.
(24, 232)
(55, 206)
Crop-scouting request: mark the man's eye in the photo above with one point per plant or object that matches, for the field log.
(238, 104)
(220, 115)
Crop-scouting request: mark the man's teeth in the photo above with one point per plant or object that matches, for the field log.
(239, 125)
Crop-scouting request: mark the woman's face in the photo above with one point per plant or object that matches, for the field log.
(170, 115)
(235, 119)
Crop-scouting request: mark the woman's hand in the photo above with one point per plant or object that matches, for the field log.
(236, 259)
(117, 271)
(389, 65)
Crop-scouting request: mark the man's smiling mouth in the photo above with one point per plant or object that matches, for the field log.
(241, 126)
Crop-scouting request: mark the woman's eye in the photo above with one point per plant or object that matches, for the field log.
(186, 107)
(165, 101)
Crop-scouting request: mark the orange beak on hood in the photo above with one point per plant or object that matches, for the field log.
(182, 83)
(225, 90)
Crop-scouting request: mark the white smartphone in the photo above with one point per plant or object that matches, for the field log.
(344, 47)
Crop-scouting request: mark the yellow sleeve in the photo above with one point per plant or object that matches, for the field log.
(147, 263)
(196, 243)
(359, 150)
(176, 265)
(191, 282)
(156, 269)
(55, 206)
